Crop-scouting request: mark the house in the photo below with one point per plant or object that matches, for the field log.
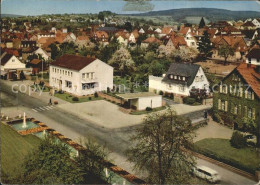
(80, 75)
(122, 37)
(100, 36)
(176, 42)
(43, 53)
(11, 67)
(133, 37)
(142, 100)
(150, 40)
(238, 95)
(256, 22)
(82, 41)
(37, 65)
(180, 79)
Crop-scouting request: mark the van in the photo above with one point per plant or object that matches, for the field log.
(207, 174)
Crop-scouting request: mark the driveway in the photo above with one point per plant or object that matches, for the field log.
(103, 113)
(213, 130)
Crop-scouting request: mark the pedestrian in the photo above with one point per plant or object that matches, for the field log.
(205, 114)
(50, 103)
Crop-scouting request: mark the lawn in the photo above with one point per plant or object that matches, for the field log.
(69, 98)
(220, 149)
(14, 148)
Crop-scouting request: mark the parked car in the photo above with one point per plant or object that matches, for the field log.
(206, 173)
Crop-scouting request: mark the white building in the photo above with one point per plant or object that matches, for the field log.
(11, 66)
(80, 75)
(142, 100)
(253, 57)
(43, 53)
(180, 79)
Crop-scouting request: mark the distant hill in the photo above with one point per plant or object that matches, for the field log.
(11, 15)
(212, 14)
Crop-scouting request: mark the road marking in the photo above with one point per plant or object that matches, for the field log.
(34, 110)
(41, 108)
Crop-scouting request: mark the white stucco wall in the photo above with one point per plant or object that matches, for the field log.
(42, 53)
(253, 61)
(103, 77)
(155, 83)
(13, 63)
(152, 101)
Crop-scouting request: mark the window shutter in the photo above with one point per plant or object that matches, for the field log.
(241, 91)
(219, 104)
(246, 92)
(231, 107)
(253, 113)
(226, 106)
(253, 95)
(230, 89)
(239, 110)
(220, 88)
(245, 111)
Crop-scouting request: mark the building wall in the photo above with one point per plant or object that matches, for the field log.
(253, 61)
(156, 84)
(225, 96)
(42, 53)
(13, 63)
(143, 102)
(103, 77)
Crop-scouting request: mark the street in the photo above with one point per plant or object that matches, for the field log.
(116, 140)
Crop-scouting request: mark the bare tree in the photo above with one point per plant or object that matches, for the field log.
(158, 148)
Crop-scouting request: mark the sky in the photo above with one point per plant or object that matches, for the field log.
(39, 7)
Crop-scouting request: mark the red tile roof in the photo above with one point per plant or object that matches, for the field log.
(73, 62)
(250, 76)
(152, 40)
(254, 53)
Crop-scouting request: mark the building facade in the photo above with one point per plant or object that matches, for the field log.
(80, 75)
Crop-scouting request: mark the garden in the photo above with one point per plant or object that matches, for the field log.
(73, 99)
(245, 158)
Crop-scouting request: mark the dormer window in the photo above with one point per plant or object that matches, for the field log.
(171, 76)
(175, 77)
(183, 78)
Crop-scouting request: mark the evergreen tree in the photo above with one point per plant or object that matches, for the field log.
(202, 23)
(205, 47)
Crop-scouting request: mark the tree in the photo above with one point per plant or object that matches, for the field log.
(128, 26)
(91, 161)
(225, 51)
(101, 16)
(184, 54)
(54, 51)
(122, 60)
(202, 23)
(205, 47)
(52, 158)
(156, 68)
(159, 146)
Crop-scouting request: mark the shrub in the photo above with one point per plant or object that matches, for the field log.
(96, 94)
(75, 99)
(237, 140)
(108, 90)
(89, 98)
(148, 109)
(161, 93)
(189, 100)
(216, 117)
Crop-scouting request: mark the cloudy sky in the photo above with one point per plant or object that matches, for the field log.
(38, 7)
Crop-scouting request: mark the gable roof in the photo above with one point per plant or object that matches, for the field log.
(152, 40)
(35, 61)
(5, 58)
(250, 76)
(73, 62)
(186, 70)
(254, 53)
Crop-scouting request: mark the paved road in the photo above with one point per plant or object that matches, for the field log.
(116, 140)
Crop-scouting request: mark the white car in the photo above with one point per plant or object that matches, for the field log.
(207, 174)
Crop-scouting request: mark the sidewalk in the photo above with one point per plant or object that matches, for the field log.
(26, 85)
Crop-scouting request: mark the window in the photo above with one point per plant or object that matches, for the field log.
(68, 84)
(13, 60)
(87, 75)
(183, 78)
(175, 77)
(83, 75)
(222, 105)
(88, 86)
(71, 74)
(181, 88)
(249, 95)
(235, 109)
(66, 72)
(250, 114)
(202, 77)
(171, 76)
